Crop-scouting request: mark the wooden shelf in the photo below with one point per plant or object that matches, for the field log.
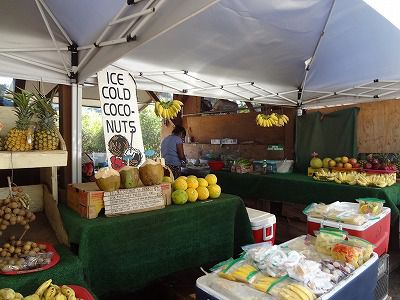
(33, 159)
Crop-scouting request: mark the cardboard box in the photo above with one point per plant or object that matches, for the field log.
(87, 200)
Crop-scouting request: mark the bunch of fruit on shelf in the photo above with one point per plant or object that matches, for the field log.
(191, 189)
(338, 162)
(46, 291)
(272, 119)
(26, 135)
(17, 255)
(353, 178)
(14, 210)
(167, 110)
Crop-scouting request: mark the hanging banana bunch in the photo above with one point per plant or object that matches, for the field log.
(168, 110)
(272, 119)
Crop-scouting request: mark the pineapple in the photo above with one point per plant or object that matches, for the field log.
(46, 137)
(21, 137)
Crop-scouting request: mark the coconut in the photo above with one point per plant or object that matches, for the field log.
(129, 177)
(151, 172)
(107, 179)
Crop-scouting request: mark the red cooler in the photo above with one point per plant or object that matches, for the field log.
(376, 231)
(263, 225)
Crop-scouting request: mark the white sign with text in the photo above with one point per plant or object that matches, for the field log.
(121, 123)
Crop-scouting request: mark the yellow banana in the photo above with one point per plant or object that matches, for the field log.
(306, 290)
(299, 292)
(157, 108)
(50, 293)
(43, 287)
(32, 297)
(7, 294)
(160, 110)
(178, 102)
(60, 296)
(67, 291)
(18, 296)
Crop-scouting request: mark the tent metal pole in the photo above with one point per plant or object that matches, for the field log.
(35, 63)
(133, 16)
(93, 47)
(145, 20)
(276, 94)
(56, 22)
(313, 55)
(160, 73)
(51, 35)
(236, 94)
(6, 50)
(181, 80)
(158, 82)
(76, 131)
(125, 32)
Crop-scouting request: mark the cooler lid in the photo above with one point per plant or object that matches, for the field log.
(385, 211)
(258, 217)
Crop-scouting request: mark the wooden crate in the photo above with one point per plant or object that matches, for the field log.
(42, 200)
(87, 200)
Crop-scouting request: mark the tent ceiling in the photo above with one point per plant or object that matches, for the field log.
(262, 51)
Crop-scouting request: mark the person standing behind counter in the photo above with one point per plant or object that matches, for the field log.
(172, 150)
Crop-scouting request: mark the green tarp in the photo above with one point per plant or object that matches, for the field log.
(330, 135)
(127, 252)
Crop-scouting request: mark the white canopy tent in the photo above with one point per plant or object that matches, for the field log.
(288, 52)
(300, 53)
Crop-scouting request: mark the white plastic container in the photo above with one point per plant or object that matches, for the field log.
(263, 225)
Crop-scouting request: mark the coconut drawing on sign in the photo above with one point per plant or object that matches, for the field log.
(123, 154)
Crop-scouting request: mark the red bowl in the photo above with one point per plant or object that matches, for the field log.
(216, 165)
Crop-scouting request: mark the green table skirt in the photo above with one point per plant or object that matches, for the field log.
(127, 252)
(299, 188)
(68, 271)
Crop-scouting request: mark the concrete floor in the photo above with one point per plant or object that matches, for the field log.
(394, 284)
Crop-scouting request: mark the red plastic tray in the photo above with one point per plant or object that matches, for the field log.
(345, 169)
(81, 292)
(54, 260)
(372, 171)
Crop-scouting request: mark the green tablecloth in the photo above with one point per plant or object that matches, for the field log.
(299, 188)
(68, 271)
(125, 253)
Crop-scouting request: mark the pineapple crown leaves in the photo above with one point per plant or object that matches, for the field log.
(43, 108)
(23, 107)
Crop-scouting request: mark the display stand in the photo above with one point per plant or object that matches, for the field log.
(47, 161)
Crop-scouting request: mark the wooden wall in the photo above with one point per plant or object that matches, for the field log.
(378, 126)
(240, 126)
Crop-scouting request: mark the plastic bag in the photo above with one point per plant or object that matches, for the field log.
(238, 270)
(272, 261)
(348, 253)
(286, 289)
(366, 246)
(25, 262)
(338, 270)
(372, 206)
(327, 238)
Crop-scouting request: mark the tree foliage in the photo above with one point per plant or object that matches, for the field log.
(151, 129)
(93, 136)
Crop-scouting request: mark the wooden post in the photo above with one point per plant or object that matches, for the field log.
(65, 98)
